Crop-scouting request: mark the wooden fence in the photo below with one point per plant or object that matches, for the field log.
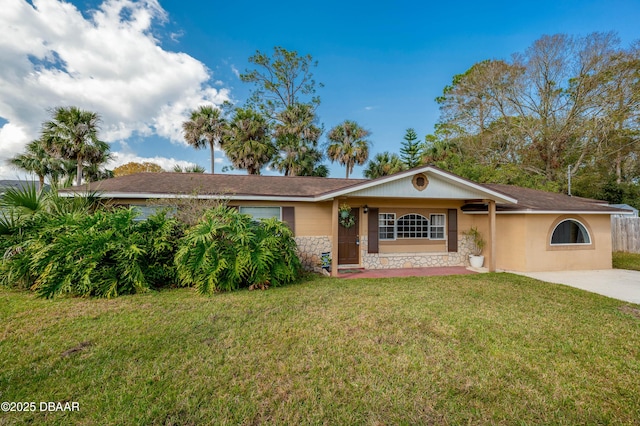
(625, 234)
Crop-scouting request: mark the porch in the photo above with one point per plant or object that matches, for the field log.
(418, 235)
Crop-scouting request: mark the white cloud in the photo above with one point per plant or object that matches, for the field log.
(176, 36)
(235, 71)
(12, 141)
(109, 62)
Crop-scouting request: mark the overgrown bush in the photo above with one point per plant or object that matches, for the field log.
(162, 236)
(54, 245)
(102, 254)
(227, 250)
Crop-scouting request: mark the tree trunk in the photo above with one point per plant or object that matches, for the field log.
(79, 171)
(41, 179)
(212, 158)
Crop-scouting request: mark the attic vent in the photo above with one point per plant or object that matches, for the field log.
(420, 182)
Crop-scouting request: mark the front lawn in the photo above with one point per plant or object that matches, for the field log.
(489, 348)
(622, 260)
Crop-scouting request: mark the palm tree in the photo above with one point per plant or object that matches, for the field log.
(205, 127)
(384, 164)
(247, 141)
(37, 160)
(72, 134)
(320, 170)
(297, 140)
(23, 199)
(94, 172)
(64, 174)
(349, 145)
(193, 168)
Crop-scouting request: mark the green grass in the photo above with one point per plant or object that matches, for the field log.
(623, 260)
(487, 348)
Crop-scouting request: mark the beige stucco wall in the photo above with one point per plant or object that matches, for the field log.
(522, 240)
(524, 243)
(313, 219)
(512, 242)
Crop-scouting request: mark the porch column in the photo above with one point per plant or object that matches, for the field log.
(334, 238)
(492, 236)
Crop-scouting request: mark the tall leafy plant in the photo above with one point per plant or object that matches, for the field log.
(103, 254)
(228, 250)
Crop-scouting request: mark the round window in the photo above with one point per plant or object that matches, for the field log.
(570, 231)
(420, 182)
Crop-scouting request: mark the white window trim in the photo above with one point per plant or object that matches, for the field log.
(146, 211)
(443, 226)
(413, 238)
(395, 227)
(261, 207)
(428, 219)
(570, 244)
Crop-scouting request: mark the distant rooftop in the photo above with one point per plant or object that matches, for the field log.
(17, 183)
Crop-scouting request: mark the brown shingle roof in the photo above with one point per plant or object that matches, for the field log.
(208, 184)
(536, 200)
(148, 185)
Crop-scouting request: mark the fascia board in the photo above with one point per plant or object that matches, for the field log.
(143, 195)
(553, 212)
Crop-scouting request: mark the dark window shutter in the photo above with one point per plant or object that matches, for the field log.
(373, 230)
(452, 230)
(289, 217)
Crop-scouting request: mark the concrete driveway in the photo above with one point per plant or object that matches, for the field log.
(616, 283)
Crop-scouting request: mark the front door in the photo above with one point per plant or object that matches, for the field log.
(349, 242)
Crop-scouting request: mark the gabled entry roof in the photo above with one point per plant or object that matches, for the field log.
(439, 185)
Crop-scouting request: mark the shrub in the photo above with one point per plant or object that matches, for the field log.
(227, 250)
(162, 235)
(102, 254)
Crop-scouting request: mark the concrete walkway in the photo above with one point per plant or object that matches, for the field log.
(616, 283)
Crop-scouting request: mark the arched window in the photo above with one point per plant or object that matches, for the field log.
(570, 231)
(413, 226)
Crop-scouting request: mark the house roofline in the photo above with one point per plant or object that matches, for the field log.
(609, 212)
(151, 196)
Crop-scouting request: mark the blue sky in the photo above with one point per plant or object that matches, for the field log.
(382, 63)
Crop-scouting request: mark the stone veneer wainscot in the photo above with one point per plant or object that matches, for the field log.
(310, 250)
(415, 260)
